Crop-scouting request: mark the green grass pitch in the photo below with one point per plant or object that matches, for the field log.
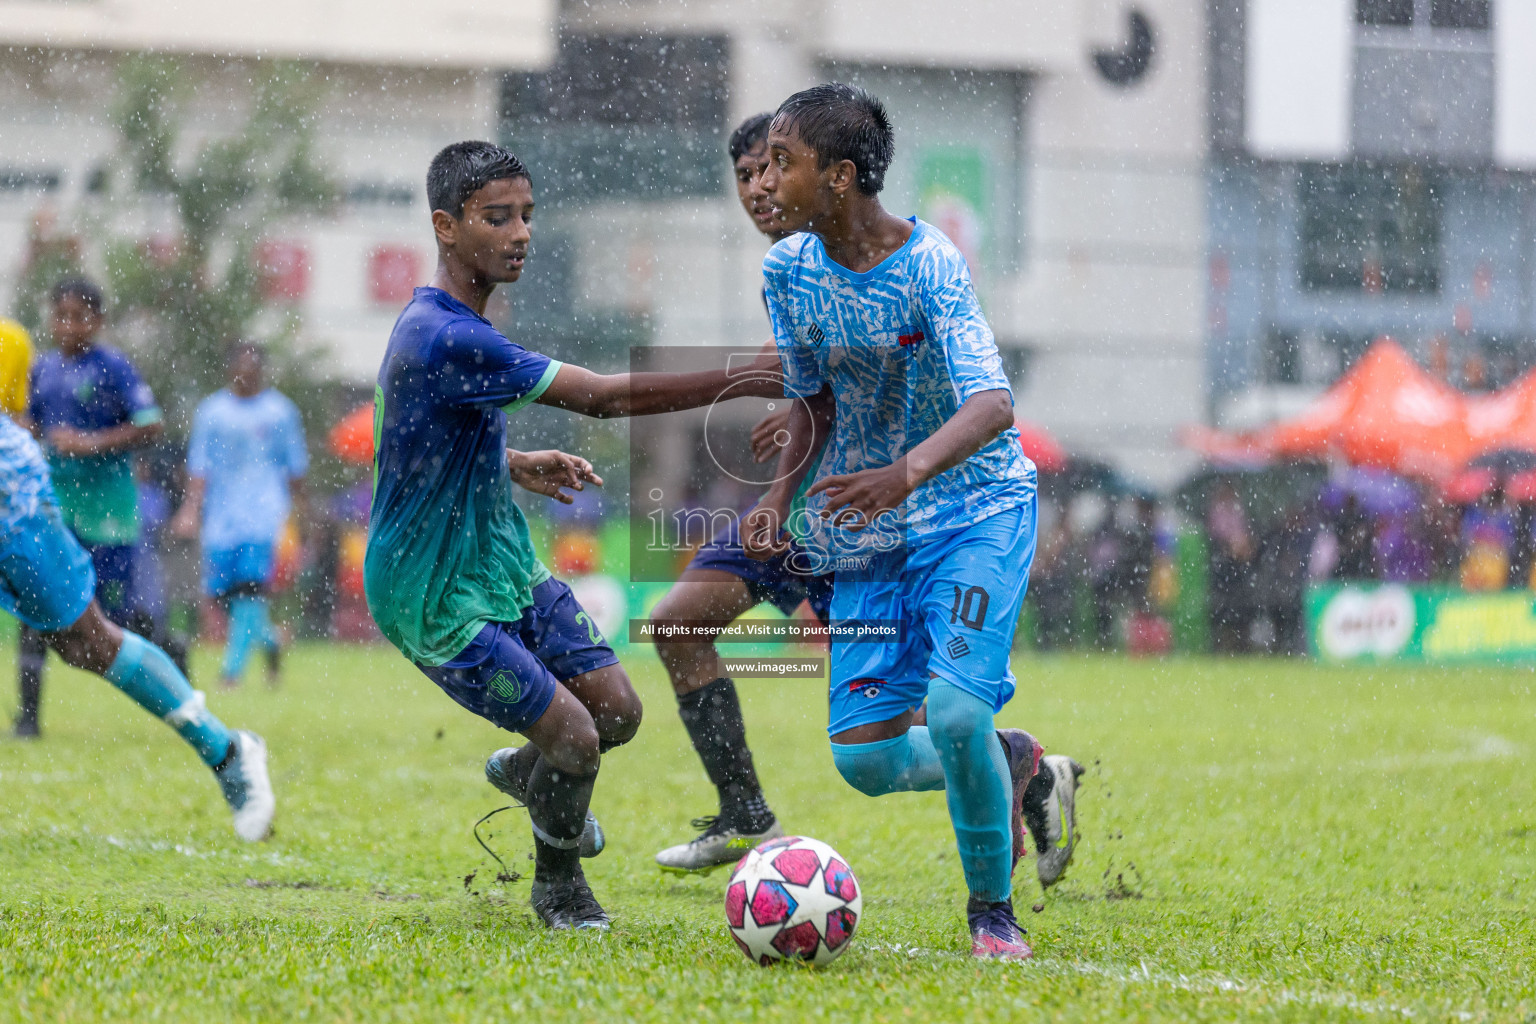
(1263, 840)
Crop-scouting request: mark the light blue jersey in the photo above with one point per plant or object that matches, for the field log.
(247, 450)
(24, 483)
(902, 346)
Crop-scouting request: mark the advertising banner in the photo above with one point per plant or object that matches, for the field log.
(1386, 622)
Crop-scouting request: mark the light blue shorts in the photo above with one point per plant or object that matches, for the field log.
(46, 577)
(955, 600)
(245, 568)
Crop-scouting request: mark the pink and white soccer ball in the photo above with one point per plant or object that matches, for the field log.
(793, 898)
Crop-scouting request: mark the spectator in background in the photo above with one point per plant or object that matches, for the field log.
(1487, 538)
(1402, 552)
(91, 411)
(1053, 581)
(1284, 552)
(1139, 554)
(1106, 579)
(1357, 542)
(245, 470)
(1442, 532)
(1522, 554)
(1230, 567)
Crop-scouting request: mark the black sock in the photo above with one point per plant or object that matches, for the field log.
(712, 716)
(557, 807)
(30, 658)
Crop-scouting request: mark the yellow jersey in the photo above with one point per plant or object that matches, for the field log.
(15, 365)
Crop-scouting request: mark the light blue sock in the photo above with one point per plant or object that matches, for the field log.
(978, 787)
(898, 765)
(247, 626)
(148, 676)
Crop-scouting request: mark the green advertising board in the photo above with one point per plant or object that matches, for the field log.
(1387, 622)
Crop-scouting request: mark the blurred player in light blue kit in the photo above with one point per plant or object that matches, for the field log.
(47, 581)
(245, 471)
(924, 503)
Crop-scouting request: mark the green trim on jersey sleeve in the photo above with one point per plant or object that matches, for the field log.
(537, 390)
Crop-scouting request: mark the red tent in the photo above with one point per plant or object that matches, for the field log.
(352, 437)
(1043, 450)
(1386, 412)
(1505, 418)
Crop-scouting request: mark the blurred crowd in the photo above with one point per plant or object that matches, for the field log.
(1361, 526)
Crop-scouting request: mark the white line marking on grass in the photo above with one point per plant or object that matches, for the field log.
(154, 846)
(1208, 983)
(1204, 983)
(40, 778)
(1479, 747)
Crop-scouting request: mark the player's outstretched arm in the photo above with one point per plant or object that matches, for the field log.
(606, 396)
(809, 425)
(122, 438)
(547, 472)
(855, 499)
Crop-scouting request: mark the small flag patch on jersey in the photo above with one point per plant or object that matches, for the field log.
(909, 336)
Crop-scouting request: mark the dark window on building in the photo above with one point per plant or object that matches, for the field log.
(1473, 14)
(1384, 12)
(1370, 228)
(641, 116)
(1281, 357)
(17, 179)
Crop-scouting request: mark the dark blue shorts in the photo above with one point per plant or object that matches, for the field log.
(114, 577)
(507, 673)
(773, 581)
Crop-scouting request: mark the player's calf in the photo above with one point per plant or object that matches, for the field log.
(146, 674)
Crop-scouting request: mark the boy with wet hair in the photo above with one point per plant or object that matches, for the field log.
(450, 572)
(92, 411)
(720, 584)
(923, 500)
(246, 462)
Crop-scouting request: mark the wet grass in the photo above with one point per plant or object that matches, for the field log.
(1263, 841)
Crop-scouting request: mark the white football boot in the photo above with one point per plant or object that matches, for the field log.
(718, 844)
(247, 789)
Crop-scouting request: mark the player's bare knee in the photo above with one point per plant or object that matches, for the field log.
(578, 752)
(618, 719)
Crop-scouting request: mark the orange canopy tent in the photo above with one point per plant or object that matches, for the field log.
(1505, 418)
(1386, 412)
(352, 436)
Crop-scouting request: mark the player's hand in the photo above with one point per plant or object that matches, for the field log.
(183, 524)
(69, 441)
(856, 499)
(547, 472)
(762, 530)
(771, 434)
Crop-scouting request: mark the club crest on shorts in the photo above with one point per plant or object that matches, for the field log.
(869, 686)
(505, 686)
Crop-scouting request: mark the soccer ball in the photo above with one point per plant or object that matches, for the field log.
(792, 898)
